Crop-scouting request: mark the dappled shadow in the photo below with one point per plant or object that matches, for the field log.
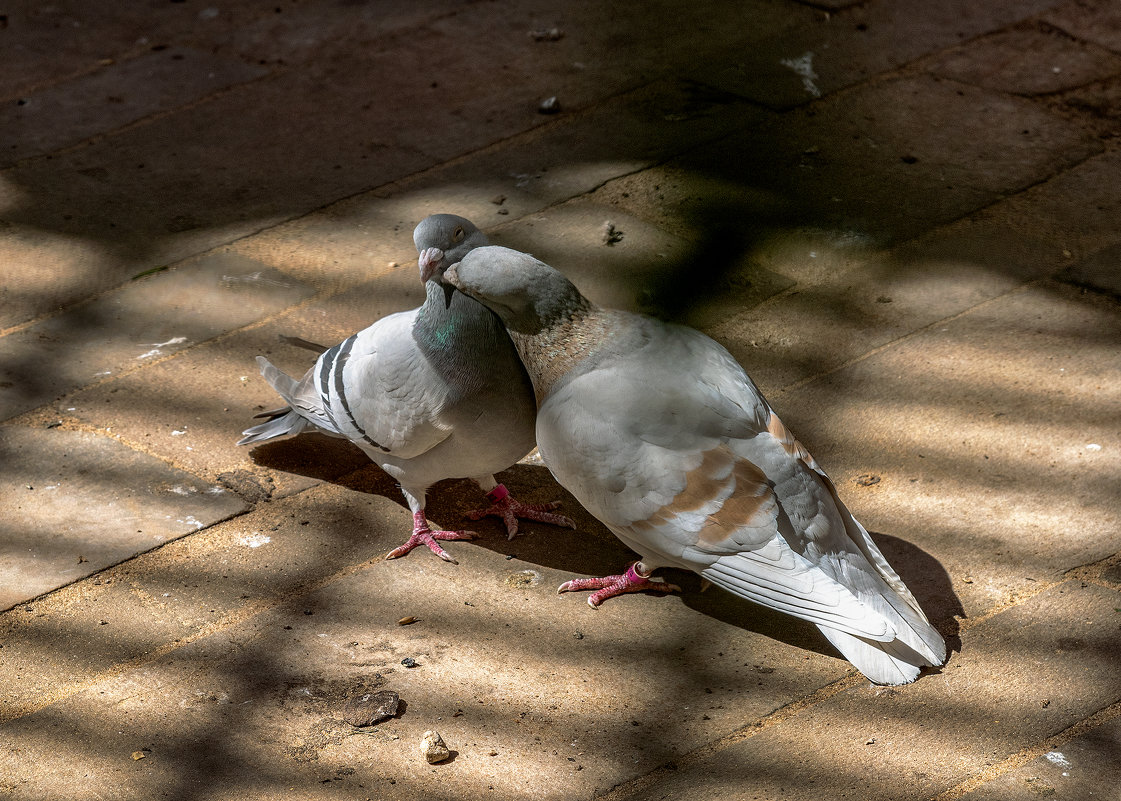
(591, 549)
(809, 237)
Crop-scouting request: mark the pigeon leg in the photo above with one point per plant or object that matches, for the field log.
(610, 586)
(503, 505)
(423, 535)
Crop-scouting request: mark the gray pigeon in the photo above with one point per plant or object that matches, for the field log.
(661, 435)
(433, 393)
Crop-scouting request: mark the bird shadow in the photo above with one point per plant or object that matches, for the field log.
(590, 548)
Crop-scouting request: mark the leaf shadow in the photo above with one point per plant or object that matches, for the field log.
(591, 549)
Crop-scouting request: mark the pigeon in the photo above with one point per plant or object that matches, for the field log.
(662, 436)
(433, 393)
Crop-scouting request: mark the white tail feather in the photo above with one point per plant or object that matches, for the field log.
(282, 426)
(882, 662)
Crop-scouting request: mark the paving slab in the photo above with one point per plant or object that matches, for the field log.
(1095, 104)
(1001, 468)
(553, 163)
(192, 409)
(876, 161)
(45, 45)
(75, 503)
(113, 97)
(1099, 272)
(841, 296)
(272, 641)
(847, 43)
(1029, 59)
(1071, 209)
(1096, 21)
(161, 602)
(146, 320)
(203, 173)
(1083, 767)
(1027, 673)
(897, 214)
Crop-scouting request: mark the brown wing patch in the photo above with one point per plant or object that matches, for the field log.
(721, 474)
(789, 443)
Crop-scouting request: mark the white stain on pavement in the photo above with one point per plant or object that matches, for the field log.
(157, 347)
(803, 67)
(1058, 758)
(255, 540)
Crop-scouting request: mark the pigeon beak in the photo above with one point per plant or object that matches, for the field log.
(451, 275)
(429, 263)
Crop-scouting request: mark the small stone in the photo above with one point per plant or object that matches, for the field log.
(549, 105)
(433, 747)
(407, 621)
(498, 200)
(370, 708)
(867, 480)
(611, 234)
(409, 662)
(547, 35)
(141, 754)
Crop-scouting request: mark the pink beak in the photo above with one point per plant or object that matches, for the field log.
(429, 262)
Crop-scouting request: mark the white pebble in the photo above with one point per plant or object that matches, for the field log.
(433, 747)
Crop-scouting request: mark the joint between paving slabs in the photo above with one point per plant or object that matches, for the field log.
(247, 610)
(642, 785)
(1031, 753)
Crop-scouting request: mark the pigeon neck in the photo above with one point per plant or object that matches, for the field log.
(564, 349)
(446, 320)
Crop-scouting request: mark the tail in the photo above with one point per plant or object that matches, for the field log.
(284, 424)
(899, 661)
(283, 421)
(917, 644)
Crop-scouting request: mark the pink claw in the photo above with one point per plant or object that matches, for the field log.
(504, 506)
(423, 535)
(610, 586)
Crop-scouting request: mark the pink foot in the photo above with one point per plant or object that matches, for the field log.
(423, 535)
(504, 506)
(610, 586)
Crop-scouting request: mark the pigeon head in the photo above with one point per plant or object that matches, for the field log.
(527, 294)
(442, 240)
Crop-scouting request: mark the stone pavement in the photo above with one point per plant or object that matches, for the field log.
(900, 215)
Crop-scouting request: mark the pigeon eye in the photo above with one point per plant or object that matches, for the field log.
(458, 234)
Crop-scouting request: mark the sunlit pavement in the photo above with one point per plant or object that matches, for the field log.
(900, 216)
